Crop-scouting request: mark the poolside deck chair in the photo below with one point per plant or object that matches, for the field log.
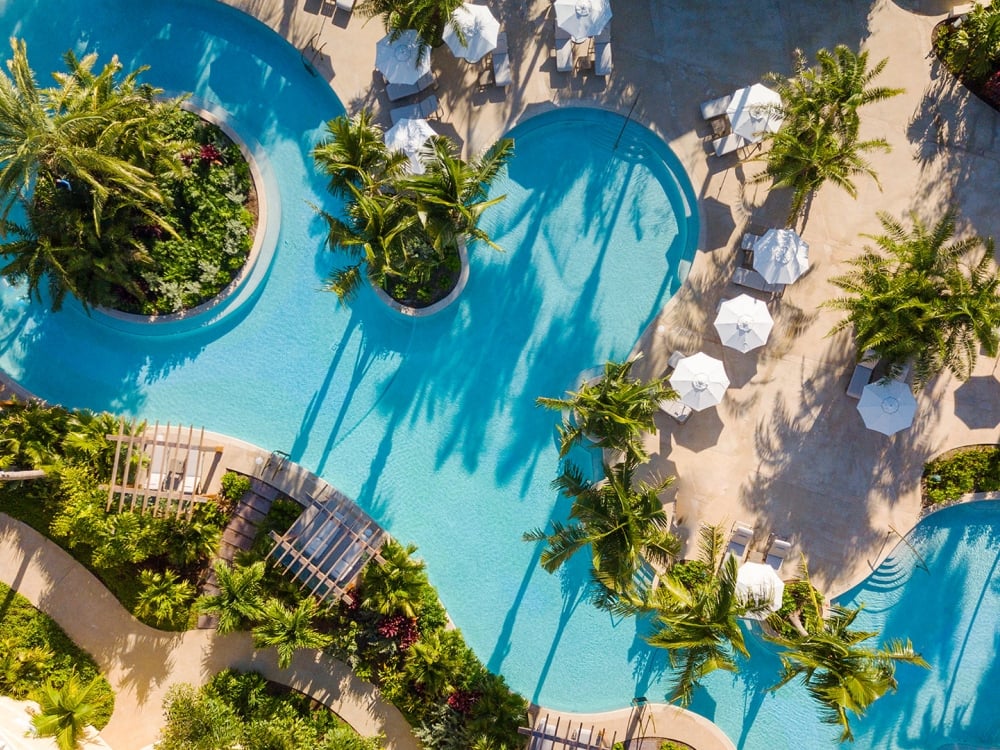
(748, 241)
(501, 62)
(603, 63)
(715, 107)
(676, 409)
(545, 740)
(424, 108)
(777, 552)
(346, 5)
(192, 471)
(752, 280)
(739, 541)
(157, 464)
(564, 55)
(396, 91)
(862, 374)
(729, 143)
(605, 35)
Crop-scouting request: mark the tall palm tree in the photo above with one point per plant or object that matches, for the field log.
(428, 17)
(396, 585)
(840, 674)
(622, 521)
(288, 630)
(354, 153)
(921, 296)
(614, 411)
(452, 193)
(68, 710)
(700, 626)
(240, 601)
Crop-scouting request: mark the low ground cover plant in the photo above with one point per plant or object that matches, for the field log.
(975, 468)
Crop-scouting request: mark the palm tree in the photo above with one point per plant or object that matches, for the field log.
(21, 665)
(354, 153)
(240, 601)
(435, 661)
(396, 585)
(67, 711)
(841, 675)
(452, 193)
(428, 17)
(288, 630)
(624, 524)
(918, 296)
(163, 597)
(700, 626)
(31, 434)
(613, 411)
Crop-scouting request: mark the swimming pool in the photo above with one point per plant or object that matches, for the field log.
(430, 423)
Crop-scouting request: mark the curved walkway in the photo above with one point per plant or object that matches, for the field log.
(143, 663)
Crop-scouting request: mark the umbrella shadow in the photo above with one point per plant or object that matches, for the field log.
(701, 431)
(976, 402)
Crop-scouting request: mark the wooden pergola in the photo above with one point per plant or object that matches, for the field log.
(157, 470)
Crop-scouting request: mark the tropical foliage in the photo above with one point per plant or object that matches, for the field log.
(107, 194)
(975, 468)
(289, 630)
(843, 676)
(401, 231)
(624, 524)
(164, 598)
(613, 411)
(240, 601)
(245, 710)
(921, 296)
(819, 140)
(428, 17)
(971, 49)
(65, 712)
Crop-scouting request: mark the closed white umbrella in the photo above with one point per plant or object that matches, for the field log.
(479, 27)
(780, 256)
(887, 406)
(700, 380)
(759, 584)
(582, 18)
(409, 135)
(743, 323)
(754, 111)
(400, 61)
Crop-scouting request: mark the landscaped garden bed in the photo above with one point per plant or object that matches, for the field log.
(973, 468)
(969, 47)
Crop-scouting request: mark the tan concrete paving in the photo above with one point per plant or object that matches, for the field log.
(143, 663)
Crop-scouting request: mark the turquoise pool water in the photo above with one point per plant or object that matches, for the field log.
(430, 424)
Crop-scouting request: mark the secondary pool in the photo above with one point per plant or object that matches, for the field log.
(431, 423)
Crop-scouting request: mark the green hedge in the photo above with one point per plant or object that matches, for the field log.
(34, 650)
(959, 472)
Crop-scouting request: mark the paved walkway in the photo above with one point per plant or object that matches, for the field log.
(143, 663)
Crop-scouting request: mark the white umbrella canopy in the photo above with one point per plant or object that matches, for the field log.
(743, 323)
(700, 381)
(400, 61)
(582, 18)
(780, 256)
(887, 406)
(760, 583)
(409, 135)
(754, 111)
(480, 28)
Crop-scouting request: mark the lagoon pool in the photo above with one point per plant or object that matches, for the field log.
(430, 424)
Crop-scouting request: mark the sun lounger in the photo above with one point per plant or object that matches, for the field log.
(748, 241)
(564, 55)
(397, 91)
(347, 5)
(739, 541)
(862, 374)
(675, 359)
(676, 409)
(192, 471)
(501, 62)
(546, 740)
(715, 107)
(605, 35)
(561, 33)
(423, 109)
(752, 280)
(157, 462)
(777, 553)
(728, 143)
(603, 63)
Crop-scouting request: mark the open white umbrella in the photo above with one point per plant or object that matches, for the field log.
(700, 381)
(753, 111)
(887, 406)
(409, 135)
(780, 256)
(582, 18)
(400, 61)
(743, 323)
(479, 27)
(759, 583)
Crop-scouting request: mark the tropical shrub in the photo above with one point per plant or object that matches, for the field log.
(35, 653)
(163, 598)
(971, 49)
(234, 486)
(65, 712)
(956, 473)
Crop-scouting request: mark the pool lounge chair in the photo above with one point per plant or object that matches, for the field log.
(564, 55)
(715, 107)
(501, 62)
(739, 541)
(157, 463)
(729, 143)
(396, 91)
(862, 374)
(347, 5)
(752, 280)
(777, 553)
(603, 64)
(425, 108)
(545, 739)
(192, 475)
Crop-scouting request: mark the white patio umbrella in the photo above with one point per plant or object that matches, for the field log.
(743, 323)
(700, 380)
(582, 18)
(480, 28)
(759, 582)
(753, 111)
(400, 61)
(887, 406)
(780, 256)
(409, 135)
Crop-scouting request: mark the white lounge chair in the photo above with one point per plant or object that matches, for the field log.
(423, 109)
(157, 463)
(501, 62)
(192, 471)
(748, 241)
(777, 553)
(739, 541)
(347, 5)
(752, 280)
(676, 409)
(396, 91)
(547, 739)
(729, 143)
(862, 374)
(603, 64)
(564, 55)
(715, 107)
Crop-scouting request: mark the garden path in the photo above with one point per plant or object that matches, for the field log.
(143, 663)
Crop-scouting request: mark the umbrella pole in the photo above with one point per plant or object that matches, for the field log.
(625, 125)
